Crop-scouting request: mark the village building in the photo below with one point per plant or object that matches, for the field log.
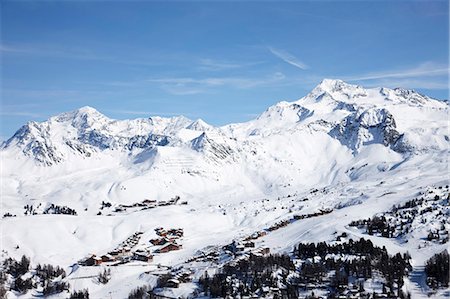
(172, 283)
(261, 251)
(97, 260)
(240, 247)
(149, 201)
(143, 256)
(108, 258)
(161, 231)
(88, 261)
(115, 252)
(178, 232)
(249, 244)
(168, 247)
(159, 241)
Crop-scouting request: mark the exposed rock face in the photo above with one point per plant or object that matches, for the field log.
(367, 127)
(213, 150)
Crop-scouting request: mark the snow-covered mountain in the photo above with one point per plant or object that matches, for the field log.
(348, 113)
(341, 147)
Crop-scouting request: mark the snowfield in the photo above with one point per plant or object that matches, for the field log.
(344, 149)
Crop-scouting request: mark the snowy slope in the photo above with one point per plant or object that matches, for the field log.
(363, 149)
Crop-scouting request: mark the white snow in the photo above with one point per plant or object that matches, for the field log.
(236, 179)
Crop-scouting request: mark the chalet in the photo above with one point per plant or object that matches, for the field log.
(261, 251)
(161, 231)
(249, 244)
(97, 260)
(159, 241)
(230, 247)
(143, 256)
(240, 247)
(178, 232)
(172, 283)
(114, 252)
(255, 235)
(108, 258)
(126, 258)
(88, 261)
(168, 247)
(184, 276)
(149, 202)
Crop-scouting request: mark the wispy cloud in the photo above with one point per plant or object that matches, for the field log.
(409, 83)
(427, 75)
(76, 53)
(188, 85)
(20, 114)
(39, 50)
(208, 64)
(6, 49)
(424, 69)
(288, 58)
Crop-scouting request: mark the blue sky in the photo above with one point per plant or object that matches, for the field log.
(222, 62)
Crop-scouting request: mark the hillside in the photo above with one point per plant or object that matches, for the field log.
(81, 183)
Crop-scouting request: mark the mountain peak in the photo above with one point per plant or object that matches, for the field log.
(334, 85)
(87, 110)
(331, 90)
(82, 117)
(199, 125)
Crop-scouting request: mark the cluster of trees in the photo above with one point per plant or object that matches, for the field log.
(82, 294)
(105, 204)
(141, 293)
(52, 209)
(410, 204)
(249, 276)
(376, 224)
(361, 247)
(437, 270)
(163, 280)
(2, 284)
(48, 272)
(365, 259)
(433, 235)
(44, 275)
(29, 210)
(22, 285)
(55, 287)
(55, 209)
(16, 268)
(353, 261)
(398, 221)
(6, 215)
(104, 276)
